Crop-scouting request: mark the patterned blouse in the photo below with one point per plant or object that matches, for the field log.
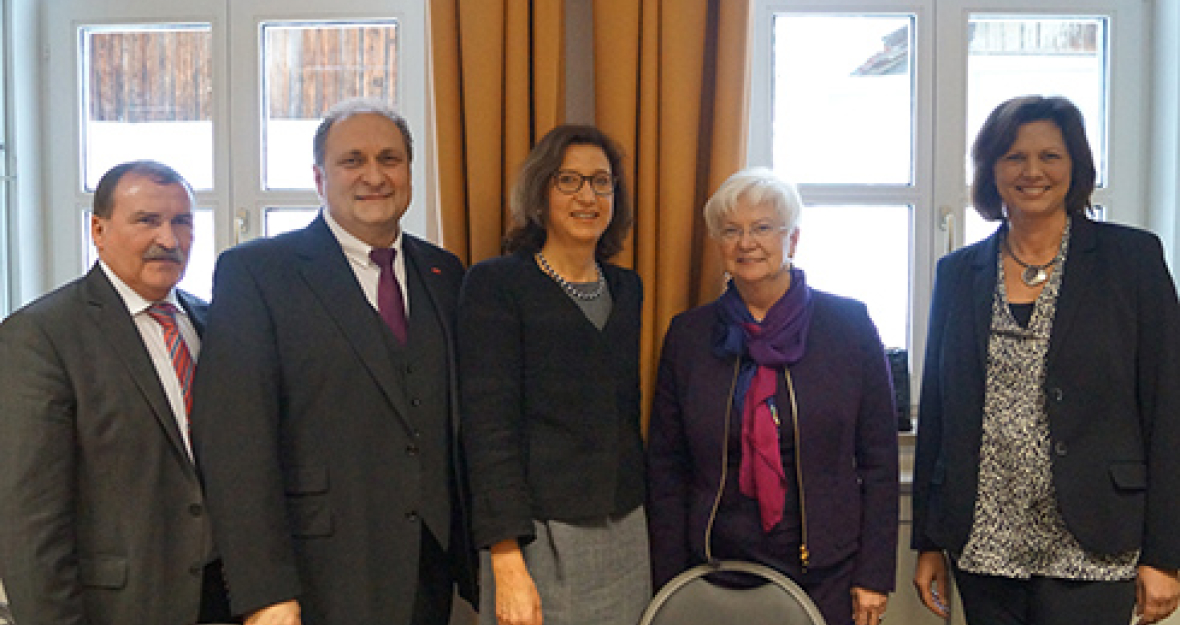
(1018, 530)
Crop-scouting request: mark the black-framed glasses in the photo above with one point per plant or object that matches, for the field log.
(570, 182)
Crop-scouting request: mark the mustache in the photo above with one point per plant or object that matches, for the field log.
(157, 252)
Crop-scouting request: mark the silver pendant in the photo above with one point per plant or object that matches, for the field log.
(1034, 276)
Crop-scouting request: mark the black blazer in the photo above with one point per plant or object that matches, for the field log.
(1112, 386)
(550, 403)
(101, 512)
(305, 436)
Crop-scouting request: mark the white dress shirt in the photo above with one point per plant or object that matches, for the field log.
(152, 334)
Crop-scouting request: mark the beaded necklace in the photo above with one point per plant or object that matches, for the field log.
(575, 292)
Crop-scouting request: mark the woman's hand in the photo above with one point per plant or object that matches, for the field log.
(868, 606)
(1156, 594)
(517, 601)
(930, 579)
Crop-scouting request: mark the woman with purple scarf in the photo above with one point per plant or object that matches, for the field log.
(773, 436)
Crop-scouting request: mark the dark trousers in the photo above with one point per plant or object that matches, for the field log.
(991, 600)
(432, 603)
(214, 596)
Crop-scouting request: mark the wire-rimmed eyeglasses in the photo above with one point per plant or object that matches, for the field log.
(570, 182)
(759, 232)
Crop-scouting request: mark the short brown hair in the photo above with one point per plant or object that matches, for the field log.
(998, 134)
(157, 172)
(530, 194)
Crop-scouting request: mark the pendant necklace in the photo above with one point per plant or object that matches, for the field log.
(1033, 275)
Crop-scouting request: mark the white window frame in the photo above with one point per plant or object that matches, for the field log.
(236, 199)
(938, 194)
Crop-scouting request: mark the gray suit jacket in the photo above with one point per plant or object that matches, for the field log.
(101, 513)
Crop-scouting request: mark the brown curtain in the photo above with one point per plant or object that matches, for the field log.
(672, 85)
(499, 84)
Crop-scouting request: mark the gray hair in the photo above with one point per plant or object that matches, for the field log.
(754, 186)
(357, 106)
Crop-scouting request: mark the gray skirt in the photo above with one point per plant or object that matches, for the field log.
(593, 572)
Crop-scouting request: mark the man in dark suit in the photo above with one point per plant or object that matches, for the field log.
(326, 413)
(102, 519)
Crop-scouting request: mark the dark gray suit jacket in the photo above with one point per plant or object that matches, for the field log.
(1112, 388)
(305, 436)
(101, 513)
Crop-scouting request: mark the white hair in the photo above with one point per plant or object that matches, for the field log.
(754, 186)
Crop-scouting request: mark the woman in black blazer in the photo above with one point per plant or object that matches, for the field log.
(1046, 464)
(549, 357)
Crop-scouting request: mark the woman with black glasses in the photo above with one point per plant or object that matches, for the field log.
(549, 357)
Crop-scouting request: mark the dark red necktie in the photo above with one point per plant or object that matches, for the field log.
(182, 360)
(389, 294)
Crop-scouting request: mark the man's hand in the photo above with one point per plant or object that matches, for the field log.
(285, 613)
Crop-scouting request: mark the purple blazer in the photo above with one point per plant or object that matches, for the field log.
(848, 447)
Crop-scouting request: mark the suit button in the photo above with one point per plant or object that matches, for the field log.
(415, 402)
(1056, 394)
(1061, 448)
(195, 509)
(412, 450)
(412, 517)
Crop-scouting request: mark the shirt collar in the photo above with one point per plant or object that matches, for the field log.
(355, 249)
(135, 302)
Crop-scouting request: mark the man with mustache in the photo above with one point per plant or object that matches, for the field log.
(102, 516)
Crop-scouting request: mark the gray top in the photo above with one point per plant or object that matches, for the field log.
(597, 310)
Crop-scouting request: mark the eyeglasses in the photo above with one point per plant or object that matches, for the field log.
(759, 232)
(570, 182)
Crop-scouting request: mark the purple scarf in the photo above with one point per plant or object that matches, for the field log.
(767, 347)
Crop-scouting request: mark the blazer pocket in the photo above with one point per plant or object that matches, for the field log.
(1129, 475)
(102, 571)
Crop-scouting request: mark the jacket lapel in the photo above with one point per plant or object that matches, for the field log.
(328, 275)
(1080, 261)
(983, 291)
(109, 314)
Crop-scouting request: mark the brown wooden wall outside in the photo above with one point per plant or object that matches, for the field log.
(167, 75)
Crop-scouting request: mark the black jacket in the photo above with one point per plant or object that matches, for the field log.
(1112, 388)
(550, 403)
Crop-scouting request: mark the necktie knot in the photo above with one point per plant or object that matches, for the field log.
(383, 256)
(164, 313)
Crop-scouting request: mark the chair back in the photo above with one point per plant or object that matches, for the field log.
(691, 599)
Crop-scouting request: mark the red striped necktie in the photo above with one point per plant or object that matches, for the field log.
(182, 360)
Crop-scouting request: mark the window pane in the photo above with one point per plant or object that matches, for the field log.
(977, 228)
(280, 220)
(198, 276)
(843, 98)
(861, 252)
(148, 93)
(309, 67)
(1014, 56)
